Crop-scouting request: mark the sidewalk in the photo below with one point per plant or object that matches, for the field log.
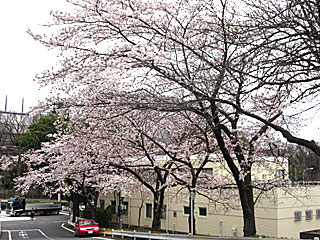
(4, 217)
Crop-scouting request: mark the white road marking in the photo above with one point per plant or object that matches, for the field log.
(9, 235)
(24, 234)
(44, 234)
(62, 225)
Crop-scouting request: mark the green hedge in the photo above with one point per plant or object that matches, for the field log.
(104, 216)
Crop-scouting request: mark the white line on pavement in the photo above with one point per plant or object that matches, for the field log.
(23, 232)
(62, 225)
(44, 234)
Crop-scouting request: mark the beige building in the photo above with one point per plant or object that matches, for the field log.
(281, 212)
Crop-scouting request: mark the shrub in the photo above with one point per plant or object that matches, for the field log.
(104, 216)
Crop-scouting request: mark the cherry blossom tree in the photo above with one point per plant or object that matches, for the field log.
(69, 165)
(138, 150)
(287, 32)
(201, 57)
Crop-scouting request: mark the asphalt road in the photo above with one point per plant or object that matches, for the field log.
(53, 227)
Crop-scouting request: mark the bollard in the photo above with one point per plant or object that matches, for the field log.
(134, 238)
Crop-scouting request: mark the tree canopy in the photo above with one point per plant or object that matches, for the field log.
(39, 132)
(142, 78)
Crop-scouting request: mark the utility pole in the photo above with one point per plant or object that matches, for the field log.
(5, 104)
(192, 197)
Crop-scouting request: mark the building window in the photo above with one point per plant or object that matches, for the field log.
(113, 206)
(175, 214)
(264, 177)
(308, 214)
(202, 212)
(318, 213)
(125, 206)
(280, 174)
(164, 212)
(148, 210)
(102, 203)
(186, 210)
(297, 216)
(208, 171)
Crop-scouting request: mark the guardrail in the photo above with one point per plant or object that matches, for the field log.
(151, 236)
(147, 235)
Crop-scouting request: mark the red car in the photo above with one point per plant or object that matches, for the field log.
(85, 227)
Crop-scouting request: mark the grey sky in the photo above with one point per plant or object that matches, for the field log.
(20, 56)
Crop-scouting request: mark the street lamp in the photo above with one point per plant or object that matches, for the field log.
(307, 169)
(167, 209)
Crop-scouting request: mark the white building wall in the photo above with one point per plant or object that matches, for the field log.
(302, 198)
(274, 214)
(274, 211)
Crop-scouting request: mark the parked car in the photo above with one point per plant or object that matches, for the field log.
(85, 227)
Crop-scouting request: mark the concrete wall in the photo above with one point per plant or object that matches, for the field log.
(274, 214)
(301, 198)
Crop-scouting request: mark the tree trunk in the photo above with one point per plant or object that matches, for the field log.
(93, 210)
(75, 200)
(19, 166)
(140, 209)
(247, 204)
(157, 209)
(94, 206)
(244, 186)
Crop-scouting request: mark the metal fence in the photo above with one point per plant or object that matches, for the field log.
(151, 236)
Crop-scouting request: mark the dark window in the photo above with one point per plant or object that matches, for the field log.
(125, 206)
(102, 204)
(202, 212)
(186, 210)
(280, 174)
(174, 213)
(297, 216)
(208, 171)
(148, 210)
(113, 206)
(308, 214)
(318, 213)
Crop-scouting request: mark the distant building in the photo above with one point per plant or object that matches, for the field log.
(285, 211)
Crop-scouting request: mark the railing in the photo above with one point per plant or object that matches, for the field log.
(148, 235)
(307, 183)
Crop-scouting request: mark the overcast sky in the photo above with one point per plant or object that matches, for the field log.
(20, 56)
